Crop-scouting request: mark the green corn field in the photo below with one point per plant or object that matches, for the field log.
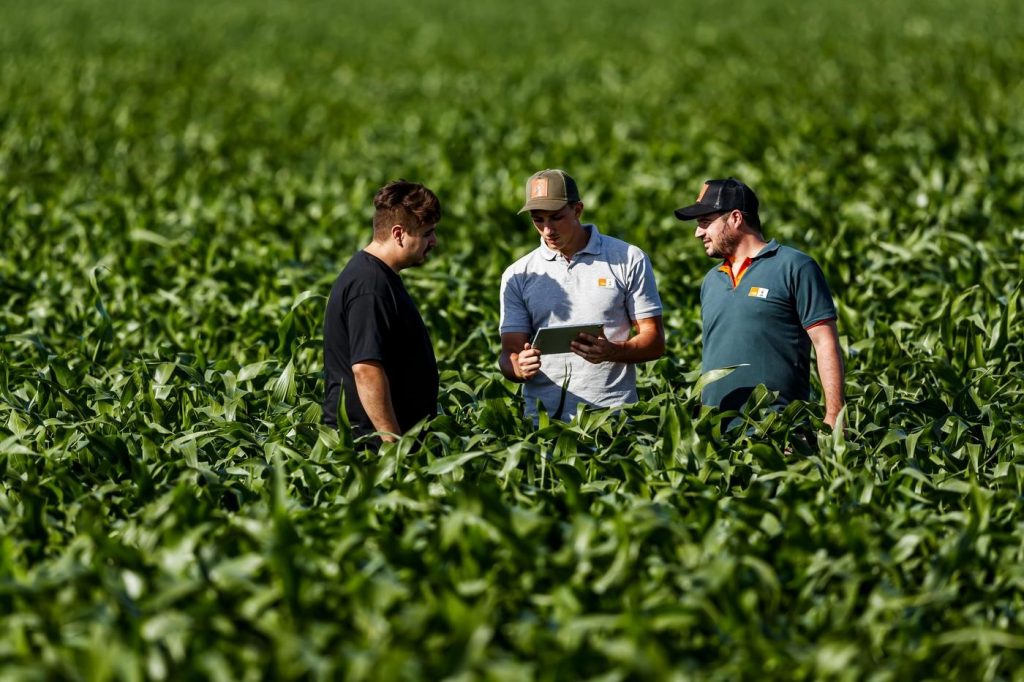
(181, 182)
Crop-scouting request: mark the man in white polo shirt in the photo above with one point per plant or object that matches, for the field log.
(577, 276)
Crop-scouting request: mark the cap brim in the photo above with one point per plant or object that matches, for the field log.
(695, 211)
(543, 205)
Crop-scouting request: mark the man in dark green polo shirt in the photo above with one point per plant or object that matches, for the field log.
(762, 308)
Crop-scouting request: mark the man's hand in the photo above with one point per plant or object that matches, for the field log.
(528, 362)
(519, 361)
(647, 343)
(595, 349)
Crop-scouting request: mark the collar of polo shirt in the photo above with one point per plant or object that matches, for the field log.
(593, 245)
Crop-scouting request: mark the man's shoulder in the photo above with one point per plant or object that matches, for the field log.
(790, 255)
(619, 252)
(797, 268)
(524, 263)
(362, 274)
(613, 245)
(369, 265)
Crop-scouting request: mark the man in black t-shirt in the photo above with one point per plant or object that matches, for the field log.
(376, 348)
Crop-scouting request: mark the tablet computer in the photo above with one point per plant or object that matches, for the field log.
(556, 338)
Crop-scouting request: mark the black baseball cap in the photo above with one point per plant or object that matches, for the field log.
(718, 196)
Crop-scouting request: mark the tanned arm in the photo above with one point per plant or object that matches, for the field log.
(825, 338)
(375, 395)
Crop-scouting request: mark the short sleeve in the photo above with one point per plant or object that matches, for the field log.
(514, 315)
(642, 299)
(368, 326)
(812, 296)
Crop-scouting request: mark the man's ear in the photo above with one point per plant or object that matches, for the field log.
(398, 233)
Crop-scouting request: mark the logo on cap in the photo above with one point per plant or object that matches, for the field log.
(538, 188)
(703, 191)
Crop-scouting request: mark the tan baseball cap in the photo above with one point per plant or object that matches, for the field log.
(550, 190)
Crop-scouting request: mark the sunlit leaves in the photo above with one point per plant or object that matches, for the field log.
(179, 186)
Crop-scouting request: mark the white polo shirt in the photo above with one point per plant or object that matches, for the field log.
(607, 281)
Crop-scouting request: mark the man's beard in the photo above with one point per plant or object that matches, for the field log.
(724, 246)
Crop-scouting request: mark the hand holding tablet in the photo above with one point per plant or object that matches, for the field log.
(558, 338)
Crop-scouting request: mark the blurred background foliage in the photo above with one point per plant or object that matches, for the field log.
(181, 182)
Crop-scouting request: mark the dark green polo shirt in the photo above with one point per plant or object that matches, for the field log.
(761, 320)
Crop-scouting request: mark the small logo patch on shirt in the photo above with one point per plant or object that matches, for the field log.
(605, 283)
(758, 292)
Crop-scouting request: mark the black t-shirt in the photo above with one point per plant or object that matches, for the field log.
(370, 316)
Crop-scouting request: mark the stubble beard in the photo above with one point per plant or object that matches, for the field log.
(724, 246)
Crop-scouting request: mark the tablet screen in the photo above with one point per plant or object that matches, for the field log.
(556, 339)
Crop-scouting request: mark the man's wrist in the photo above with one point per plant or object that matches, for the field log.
(618, 351)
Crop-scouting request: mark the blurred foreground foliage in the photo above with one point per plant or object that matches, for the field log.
(180, 184)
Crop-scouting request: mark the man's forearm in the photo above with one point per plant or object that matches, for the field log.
(375, 395)
(830, 372)
(640, 348)
(648, 343)
(825, 338)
